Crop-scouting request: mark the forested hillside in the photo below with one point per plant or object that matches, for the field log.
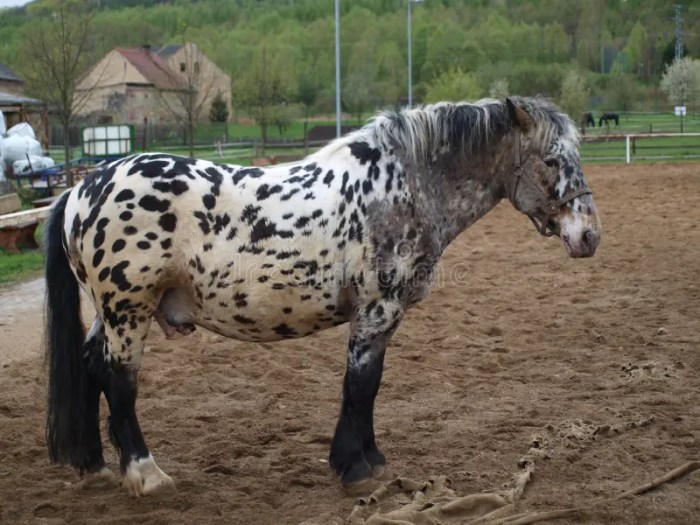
(470, 47)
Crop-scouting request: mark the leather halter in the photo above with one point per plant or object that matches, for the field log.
(549, 206)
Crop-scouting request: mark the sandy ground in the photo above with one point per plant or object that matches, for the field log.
(598, 359)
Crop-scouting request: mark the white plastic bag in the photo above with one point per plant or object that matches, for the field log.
(16, 147)
(23, 130)
(35, 163)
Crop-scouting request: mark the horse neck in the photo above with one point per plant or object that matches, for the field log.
(459, 189)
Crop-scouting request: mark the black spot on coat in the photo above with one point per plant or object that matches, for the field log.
(124, 195)
(118, 276)
(168, 221)
(152, 203)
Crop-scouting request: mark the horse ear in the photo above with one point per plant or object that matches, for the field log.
(519, 116)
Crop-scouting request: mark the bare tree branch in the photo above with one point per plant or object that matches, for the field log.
(190, 91)
(54, 50)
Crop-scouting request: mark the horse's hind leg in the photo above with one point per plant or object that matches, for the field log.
(141, 474)
(354, 454)
(97, 475)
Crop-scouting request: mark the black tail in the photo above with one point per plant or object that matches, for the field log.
(66, 432)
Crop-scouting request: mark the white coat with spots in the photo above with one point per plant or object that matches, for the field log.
(350, 234)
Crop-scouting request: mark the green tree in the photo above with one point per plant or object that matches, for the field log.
(454, 85)
(282, 116)
(622, 91)
(494, 36)
(533, 78)
(308, 91)
(359, 89)
(391, 75)
(450, 47)
(219, 112)
(556, 43)
(636, 50)
(357, 95)
(574, 95)
(589, 34)
(499, 89)
(261, 88)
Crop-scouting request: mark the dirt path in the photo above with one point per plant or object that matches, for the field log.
(20, 315)
(598, 359)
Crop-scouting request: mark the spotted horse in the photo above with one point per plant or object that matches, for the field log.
(351, 234)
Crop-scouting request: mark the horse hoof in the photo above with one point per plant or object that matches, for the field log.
(143, 478)
(163, 485)
(102, 479)
(361, 488)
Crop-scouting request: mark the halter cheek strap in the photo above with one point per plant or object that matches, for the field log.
(549, 206)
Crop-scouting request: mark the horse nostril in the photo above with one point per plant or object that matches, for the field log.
(565, 238)
(588, 237)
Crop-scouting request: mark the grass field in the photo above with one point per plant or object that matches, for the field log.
(642, 149)
(649, 123)
(14, 267)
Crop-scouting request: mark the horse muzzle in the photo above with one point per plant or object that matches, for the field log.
(582, 244)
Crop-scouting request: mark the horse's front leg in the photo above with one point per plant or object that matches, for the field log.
(354, 454)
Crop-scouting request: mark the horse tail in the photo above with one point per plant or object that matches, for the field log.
(63, 340)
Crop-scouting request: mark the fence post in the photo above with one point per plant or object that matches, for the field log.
(627, 148)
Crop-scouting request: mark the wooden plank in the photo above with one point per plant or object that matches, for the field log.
(46, 201)
(13, 219)
(13, 238)
(10, 203)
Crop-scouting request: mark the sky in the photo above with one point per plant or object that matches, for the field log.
(13, 3)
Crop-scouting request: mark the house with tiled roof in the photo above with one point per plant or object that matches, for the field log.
(131, 85)
(10, 82)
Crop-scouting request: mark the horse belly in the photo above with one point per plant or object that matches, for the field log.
(265, 313)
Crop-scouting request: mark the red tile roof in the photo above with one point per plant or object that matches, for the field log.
(151, 66)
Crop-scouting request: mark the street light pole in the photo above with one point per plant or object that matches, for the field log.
(337, 68)
(410, 50)
(410, 65)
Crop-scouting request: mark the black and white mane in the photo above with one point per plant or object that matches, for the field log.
(422, 133)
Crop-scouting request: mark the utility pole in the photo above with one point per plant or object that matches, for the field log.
(410, 52)
(410, 65)
(337, 68)
(679, 34)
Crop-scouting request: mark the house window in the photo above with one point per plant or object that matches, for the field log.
(182, 67)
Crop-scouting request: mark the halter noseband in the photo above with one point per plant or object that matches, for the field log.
(550, 206)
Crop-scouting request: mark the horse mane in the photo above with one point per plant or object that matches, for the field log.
(421, 133)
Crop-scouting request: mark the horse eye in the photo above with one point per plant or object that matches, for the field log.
(552, 163)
